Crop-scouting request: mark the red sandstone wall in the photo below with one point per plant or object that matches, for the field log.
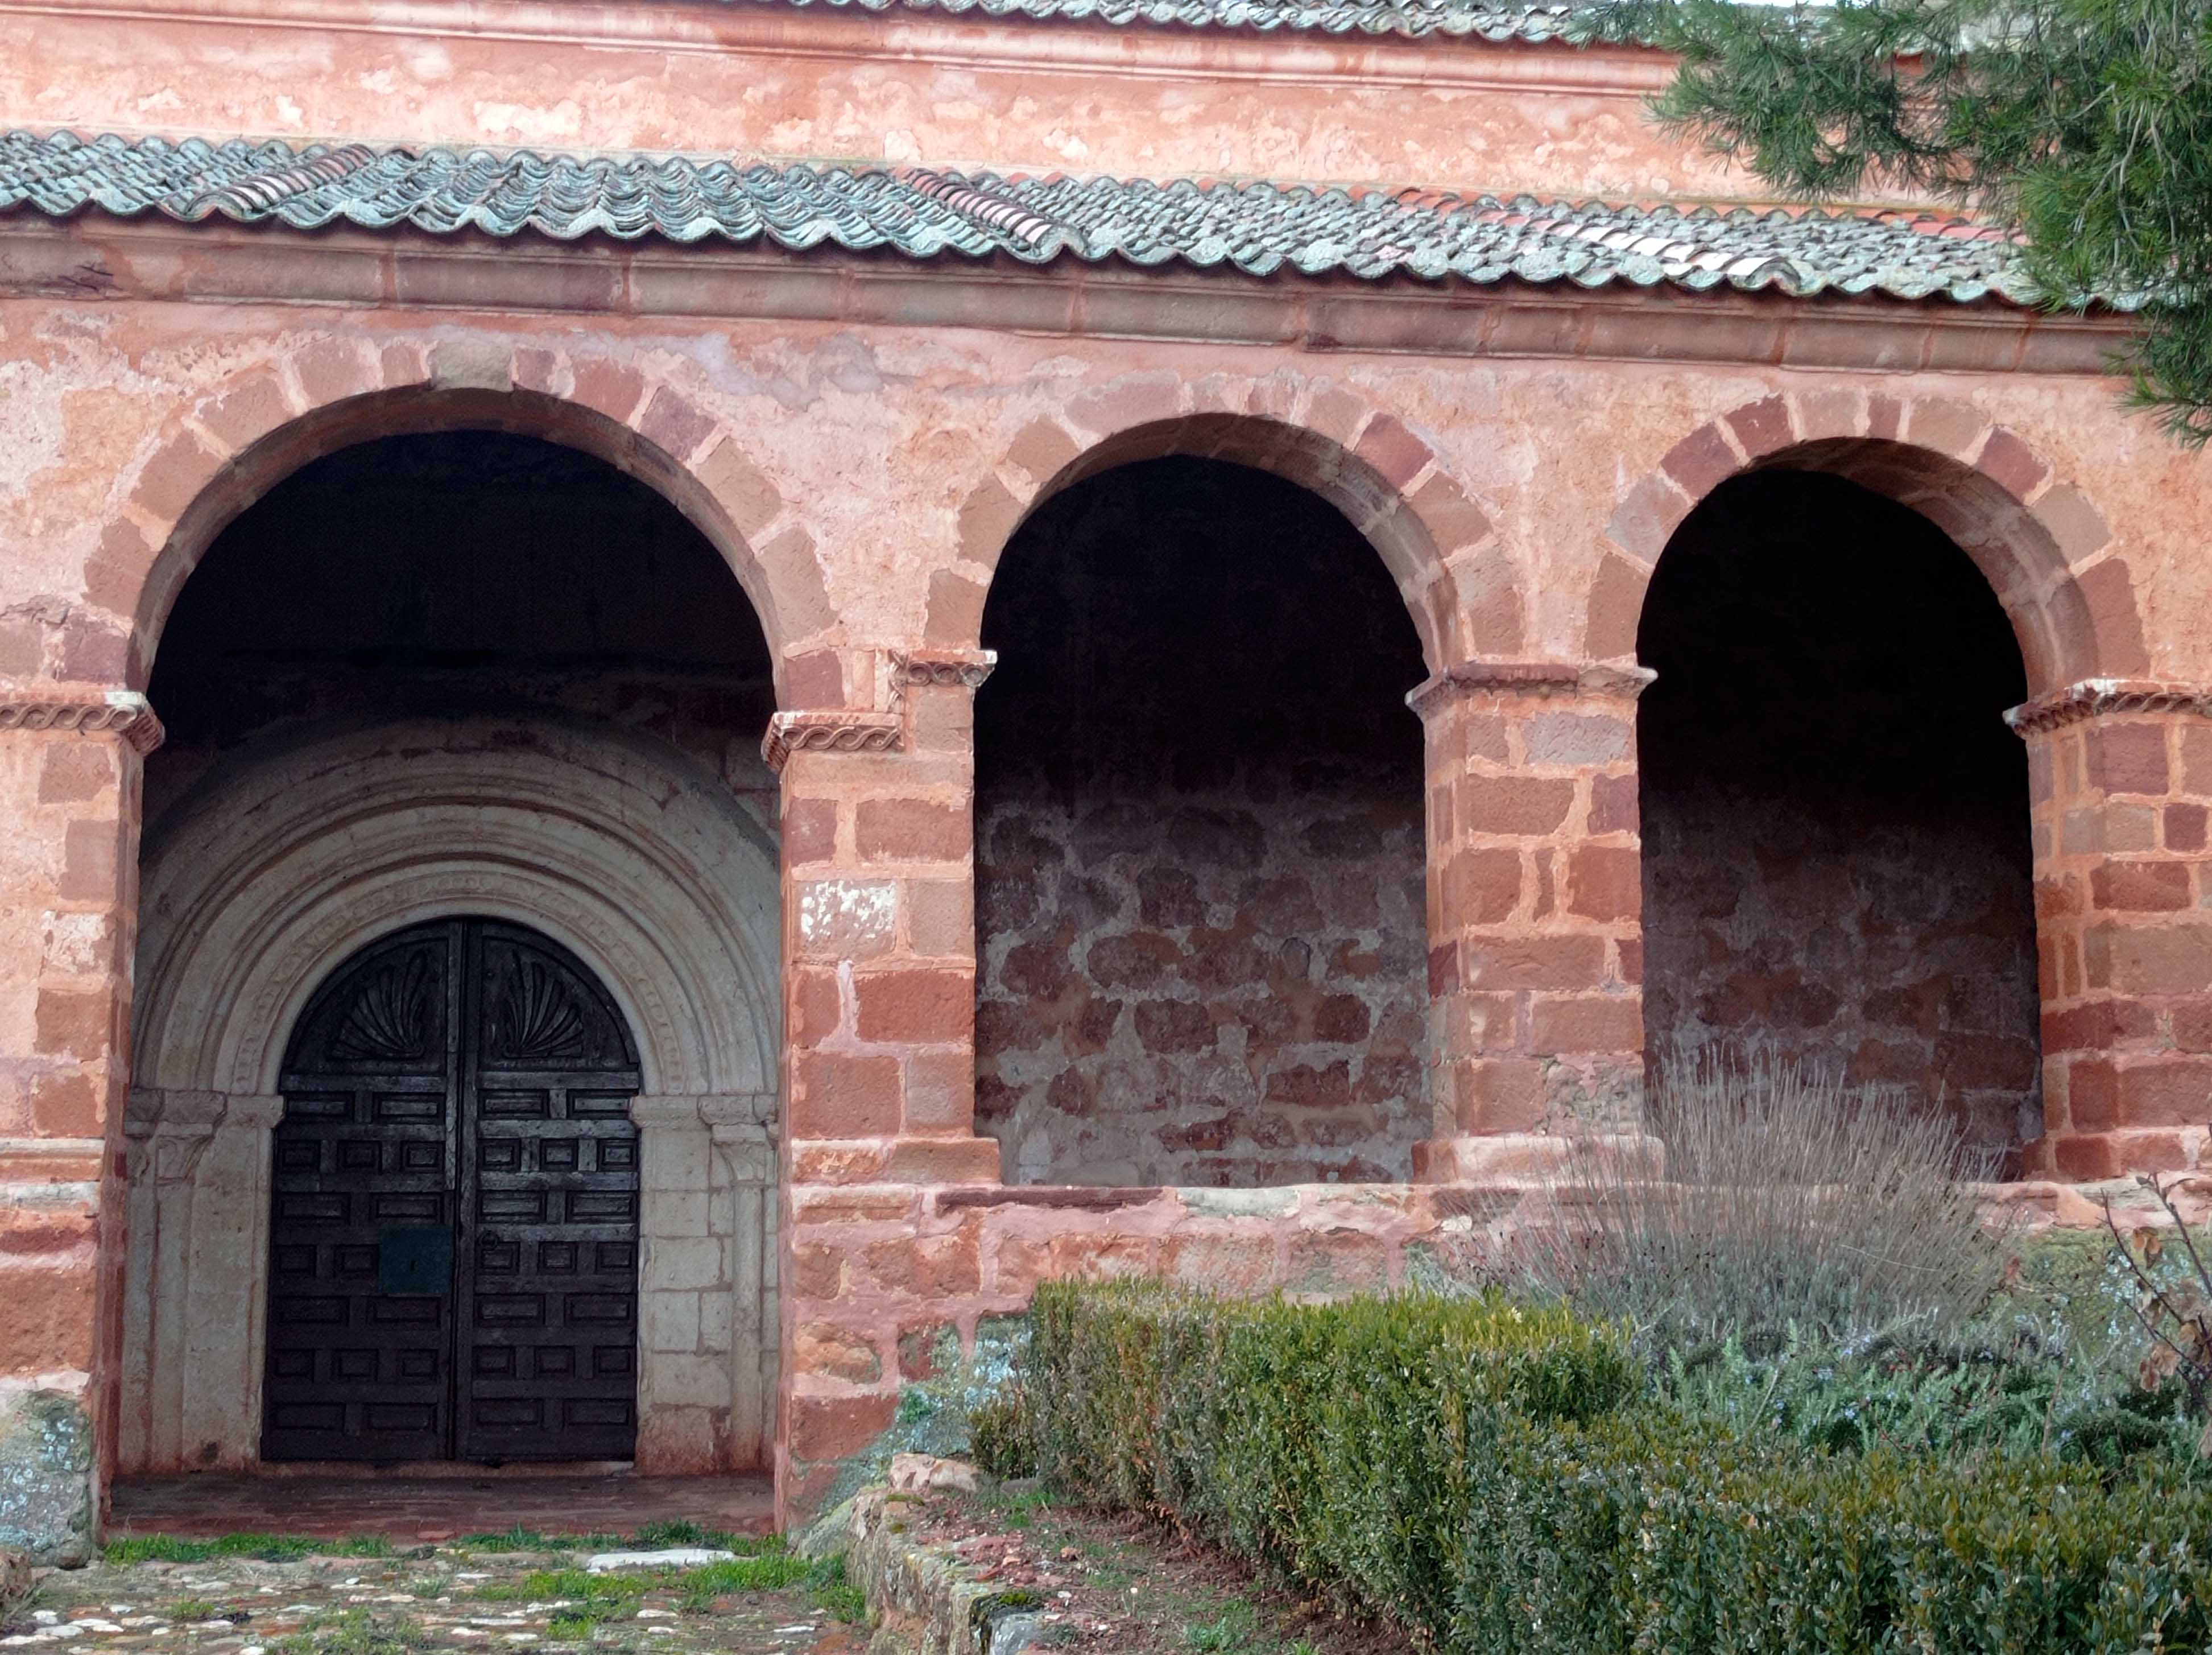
(1199, 876)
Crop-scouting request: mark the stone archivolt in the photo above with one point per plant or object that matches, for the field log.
(649, 872)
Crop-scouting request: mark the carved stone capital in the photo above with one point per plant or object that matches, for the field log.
(2102, 697)
(1542, 680)
(829, 731)
(165, 1112)
(964, 669)
(31, 705)
(747, 1115)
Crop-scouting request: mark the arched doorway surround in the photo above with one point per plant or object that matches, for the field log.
(283, 864)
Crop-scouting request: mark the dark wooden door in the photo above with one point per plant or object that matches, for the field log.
(453, 1235)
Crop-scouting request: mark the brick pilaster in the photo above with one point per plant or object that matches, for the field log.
(879, 932)
(879, 953)
(2120, 783)
(1535, 927)
(69, 772)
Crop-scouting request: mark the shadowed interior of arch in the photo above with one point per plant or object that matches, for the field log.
(1835, 816)
(1200, 840)
(456, 572)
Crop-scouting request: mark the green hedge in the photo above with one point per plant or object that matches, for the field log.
(1494, 1477)
(1327, 1442)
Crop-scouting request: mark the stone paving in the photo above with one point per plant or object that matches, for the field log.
(409, 1509)
(239, 1597)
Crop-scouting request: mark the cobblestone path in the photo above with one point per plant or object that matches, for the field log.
(234, 1597)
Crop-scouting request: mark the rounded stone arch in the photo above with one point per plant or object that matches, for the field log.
(2041, 543)
(281, 866)
(248, 435)
(284, 861)
(1458, 583)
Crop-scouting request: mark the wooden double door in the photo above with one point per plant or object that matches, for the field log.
(453, 1239)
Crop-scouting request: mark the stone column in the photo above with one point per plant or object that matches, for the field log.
(705, 1274)
(2120, 785)
(1535, 913)
(880, 963)
(196, 1280)
(69, 770)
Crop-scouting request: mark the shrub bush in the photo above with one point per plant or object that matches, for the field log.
(1790, 1200)
(1499, 1479)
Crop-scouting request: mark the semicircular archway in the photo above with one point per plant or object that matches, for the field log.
(282, 863)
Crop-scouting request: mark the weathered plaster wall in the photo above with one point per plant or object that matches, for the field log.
(1199, 866)
(1836, 860)
(758, 82)
(818, 436)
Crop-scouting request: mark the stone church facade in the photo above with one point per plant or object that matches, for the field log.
(690, 687)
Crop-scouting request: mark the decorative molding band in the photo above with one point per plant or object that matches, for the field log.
(51, 1171)
(1540, 678)
(2101, 697)
(29, 706)
(104, 260)
(829, 732)
(943, 668)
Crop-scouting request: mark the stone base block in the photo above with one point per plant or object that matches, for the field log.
(1509, 1157)
(48, 1495)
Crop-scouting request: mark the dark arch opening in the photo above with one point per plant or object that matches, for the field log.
(1835, 817)
(1200, 863)
(459, 572)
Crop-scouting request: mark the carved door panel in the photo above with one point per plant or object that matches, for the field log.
(548, 1314)
(453, 1237)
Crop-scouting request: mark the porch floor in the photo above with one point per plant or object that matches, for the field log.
(435, 1508)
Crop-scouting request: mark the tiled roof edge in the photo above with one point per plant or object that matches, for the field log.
(1258, 228)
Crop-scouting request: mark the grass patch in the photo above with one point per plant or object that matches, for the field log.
(566, 1628)
(1230, 1630)
(769, 1567)
(262, 1548)
(833, 1592)
(577, 1585)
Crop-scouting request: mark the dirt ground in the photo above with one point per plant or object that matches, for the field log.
(1111, 1584)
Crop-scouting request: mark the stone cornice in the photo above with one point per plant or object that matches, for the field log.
(2102, 697)
(90, 258)
(965, 669)
(1542, 678)
(81, 711)
(827, 731)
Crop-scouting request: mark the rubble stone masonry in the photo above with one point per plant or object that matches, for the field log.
(1198, 858)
